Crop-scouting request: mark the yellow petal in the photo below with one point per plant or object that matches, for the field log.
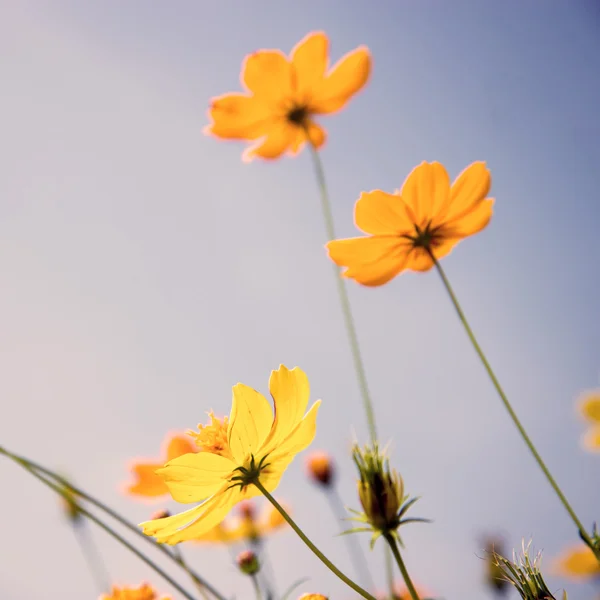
(193, 477)
(471, 222)
(589, 406)
(379, 213)
(426, 190)
(577, 563)
(238, 117)
(370, 261)
(419, 260)
(591, 439)
(179, 445)
(148, 483)
(278, 138)
(250, 422)
(290, 391)
(344, 80)
(309, 61)
(299, 437)
(268, 75)
(469, 189)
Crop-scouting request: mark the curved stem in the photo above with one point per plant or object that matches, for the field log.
(391, 540)
(510, 410)
(343, 295)
(111, 513)
(110, 532)
(92, 557)
(178, 556)
(315, 550)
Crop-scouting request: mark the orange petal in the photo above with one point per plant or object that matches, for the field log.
(589, 406)
(577, 563)
(591, 439)
(419, 260)
(268, 75)
(179, 445)
(279, 138)
(309, 60)
(379, 213)
(426, 190)
(148, 483)
(344, 80)
(238, 117)
(471, 222)
(316, 135)
(468, 190)
(370, 261)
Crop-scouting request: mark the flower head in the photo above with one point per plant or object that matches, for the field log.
(405, 230)
(578, 563)
(258, 448)
(148, 484)
(284, 93)
(144, 592)
(319, 466)
(589, 407)
(248, 562)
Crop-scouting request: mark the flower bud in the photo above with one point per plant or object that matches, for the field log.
(494, 576)
(319, 466)
(248, 563)
(246, 509)
(160, 514)
(70, 503)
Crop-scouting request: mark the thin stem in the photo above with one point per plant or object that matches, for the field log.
(92, 557)
(110, 532)
(315, 550)
(178, 556)
(359, 562)
(391, 540)
(343, 294)
(510, 409)
(266, 573)
(109, 511)
(256, 587)
(389, 571)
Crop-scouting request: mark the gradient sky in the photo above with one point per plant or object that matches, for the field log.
(145, 270)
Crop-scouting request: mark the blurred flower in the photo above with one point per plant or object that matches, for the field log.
(248, 563)
(381, 494)
(283, 94)
(144, 592)
(401, 592)
(589, 407)
(494, 576)
(428, 216)
(319, 466)
(148, 484)
(313, 597)
(245, 527)
(255, 446)
(577, 563)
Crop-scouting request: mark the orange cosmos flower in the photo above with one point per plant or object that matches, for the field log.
(144, 592)
(427, 217)
(577, 563)
(149, 485)
(589, 407)
(283, 94)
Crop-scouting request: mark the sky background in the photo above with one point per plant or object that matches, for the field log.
(144, 270)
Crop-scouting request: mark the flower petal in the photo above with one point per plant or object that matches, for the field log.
(300, 437)
(344, 80)
(193, 477)
(426, 191)
(589, 406)
(471, 222)
(316, 134)
(250, 422)
(309, 61)
(238, 117)
(380, 213)
(278, 138)
(468, 190)
(268, 75)
(577, 563)
(591, 439)
(370, 261)
(419, 260)
(148, 482)
(179, 444)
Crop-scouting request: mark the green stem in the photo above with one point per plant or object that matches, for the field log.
(343, 294)
(92, 557)
(256, 587)
(110, 512)
(510, 409)
(110, 532)
(391, 540)
(178, 557)
(389, 571)
(315, 550)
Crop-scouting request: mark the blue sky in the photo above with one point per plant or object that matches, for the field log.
(145, 269)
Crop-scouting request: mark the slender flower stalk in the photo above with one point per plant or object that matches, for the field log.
(343, 295)
(391, 540)
(92, 557)
(312, 547)
(178, 555)
(36, 468)
(256, 587)
(582, 532)
(389, 572)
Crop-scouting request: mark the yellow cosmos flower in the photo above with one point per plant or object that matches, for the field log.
(253, 446)
(577, 563)
(283, 94)
(589, 407)
(144, 592)
(147, 483)
(428, 216)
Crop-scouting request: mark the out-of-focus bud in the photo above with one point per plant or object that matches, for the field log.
(494, 576)
(70, 503)
(246, 509)
(161, 514)
(313, 597)
(248, 562)
(319, 466)
(525, 575)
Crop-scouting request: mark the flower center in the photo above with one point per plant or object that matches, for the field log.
(426, 238)
(298, 115)
(213, 437)
(249, 473)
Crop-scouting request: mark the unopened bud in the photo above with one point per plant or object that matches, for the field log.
(161, 514)
(320, 468)
(494, 575)
(246, 509)
(248, 562)
(70, 503)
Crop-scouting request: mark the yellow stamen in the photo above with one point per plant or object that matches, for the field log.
(213, 437)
